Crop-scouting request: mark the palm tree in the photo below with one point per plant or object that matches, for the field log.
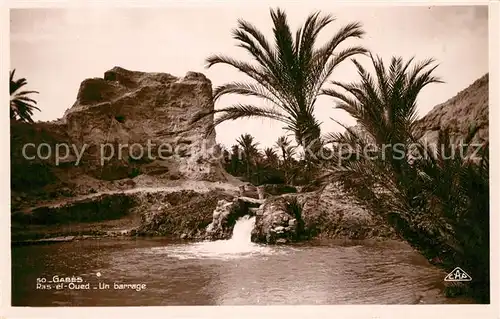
(384, 106)
(438, 203)
(287, 75)
(21, 106)
(282, 144)
(235, 151)
(287, 152)
(271, 156)
(250, 151)
(290, 152)
(455, 194)
(235, 160)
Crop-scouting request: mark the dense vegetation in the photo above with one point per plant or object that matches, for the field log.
(436, 196)
(280, 164)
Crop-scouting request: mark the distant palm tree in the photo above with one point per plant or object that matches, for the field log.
(235, 151)
(250, 151)
(282, 144)
(271, 156)
(288, 75)
(290, 151)
(21, 106)
(235, 159)
(287, 152)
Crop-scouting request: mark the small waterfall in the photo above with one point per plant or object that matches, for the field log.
(242, 229)
(239, 245)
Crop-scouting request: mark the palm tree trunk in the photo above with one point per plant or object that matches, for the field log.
(248, 171)
(285, 165)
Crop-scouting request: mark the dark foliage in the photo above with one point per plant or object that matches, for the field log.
(437, 198)
(21, 105)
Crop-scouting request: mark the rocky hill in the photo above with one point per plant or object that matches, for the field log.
(134, 109)
(126, 125)
(468, 107)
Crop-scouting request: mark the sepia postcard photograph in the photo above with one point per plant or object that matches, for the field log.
(249, 154)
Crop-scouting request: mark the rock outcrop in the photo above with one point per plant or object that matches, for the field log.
(124, 128)
(225, 215)
(130, 158)
(149, 116)
(331, 213)
(328, 213)
(469, 107)
(277, 221)
(184, 214)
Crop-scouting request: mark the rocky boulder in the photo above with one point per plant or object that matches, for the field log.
(183, 214)
(331, 213)
(224, 218)
(328, 213)
(277, 221)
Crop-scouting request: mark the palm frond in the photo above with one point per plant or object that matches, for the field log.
(289, 72)
(21, 106)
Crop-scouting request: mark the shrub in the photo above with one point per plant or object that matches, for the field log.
(134, 172)
(120, 118)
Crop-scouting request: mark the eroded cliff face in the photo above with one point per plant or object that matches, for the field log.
(469, 107)
(126, 125)
(145, 118)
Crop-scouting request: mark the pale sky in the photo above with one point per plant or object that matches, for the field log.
(56, 49)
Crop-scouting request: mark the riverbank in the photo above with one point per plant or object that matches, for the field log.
(197, 210)
(122, 211)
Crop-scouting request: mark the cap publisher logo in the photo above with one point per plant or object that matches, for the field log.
(458, 274)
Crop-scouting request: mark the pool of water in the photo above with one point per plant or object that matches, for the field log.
(156, 272)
